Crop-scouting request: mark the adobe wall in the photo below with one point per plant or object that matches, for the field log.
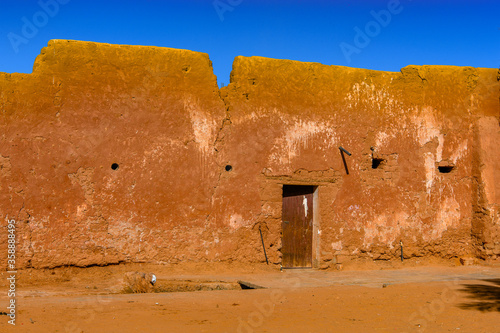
(153, 111)
(289, 118)
(159, 115)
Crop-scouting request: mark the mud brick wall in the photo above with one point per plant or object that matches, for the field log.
(424, 167)
(112, 153)
(153, 111)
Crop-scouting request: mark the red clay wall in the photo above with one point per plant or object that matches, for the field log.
(289, 118)
(159, 115)
(154, 111)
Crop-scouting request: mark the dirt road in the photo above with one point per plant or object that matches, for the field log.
(427, 299)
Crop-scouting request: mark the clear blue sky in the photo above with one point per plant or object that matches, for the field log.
(418, 32)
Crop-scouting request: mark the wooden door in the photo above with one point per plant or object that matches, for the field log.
(297, 224)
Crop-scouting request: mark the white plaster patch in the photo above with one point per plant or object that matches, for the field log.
(304, 202)
(447, 216)
(386, 228)
(299, 135)
(128, 231)
(378, 96)
(460, 151)
(202, 124)
(371, 229)
(439, 149)
(403, 221)
(427, 125)
(370, 234)
(80, 210)
(259, 113)
(236, 221)
(269, 210)
(430, 172)
(381, 138)
(337, 246)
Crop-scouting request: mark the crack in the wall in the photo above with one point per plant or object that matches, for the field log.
(225, 122)
(421, 75)
(218, 147)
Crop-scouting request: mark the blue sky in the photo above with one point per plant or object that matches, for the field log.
(346, 33)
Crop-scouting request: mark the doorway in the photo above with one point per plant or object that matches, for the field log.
(297, 226)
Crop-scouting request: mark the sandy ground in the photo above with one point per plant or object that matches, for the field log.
(415, 299)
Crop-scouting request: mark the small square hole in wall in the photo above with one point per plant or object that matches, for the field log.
(446, 168)
(377, 162)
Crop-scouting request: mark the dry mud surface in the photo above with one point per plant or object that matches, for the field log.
(405, 299)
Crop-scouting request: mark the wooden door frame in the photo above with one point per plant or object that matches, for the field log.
(316, 233)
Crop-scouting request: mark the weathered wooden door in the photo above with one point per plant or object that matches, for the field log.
(297, 224)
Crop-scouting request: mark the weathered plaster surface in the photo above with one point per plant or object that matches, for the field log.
(290, 118)
(159, 115)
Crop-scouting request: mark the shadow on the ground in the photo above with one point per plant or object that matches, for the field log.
(486, 297)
